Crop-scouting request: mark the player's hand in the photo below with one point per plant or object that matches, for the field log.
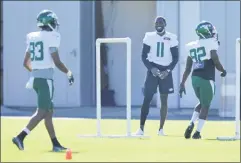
(155, 72)
(223, 74)
(182, 90)
(70, 77)
(164, 74)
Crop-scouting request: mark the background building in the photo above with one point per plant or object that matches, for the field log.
(81, 22)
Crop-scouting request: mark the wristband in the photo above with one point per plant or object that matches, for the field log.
(69, 73)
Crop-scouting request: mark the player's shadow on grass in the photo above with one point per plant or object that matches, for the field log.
(73, 152)
(176, 136)
(213, 139)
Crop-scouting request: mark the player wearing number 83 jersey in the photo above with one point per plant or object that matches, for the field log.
(159, 55)
(39, 44)
(41, 57)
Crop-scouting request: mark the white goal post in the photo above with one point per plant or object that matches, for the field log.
(237, 97)
(128, 134)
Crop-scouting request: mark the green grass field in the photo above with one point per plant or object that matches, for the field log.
(172, 148)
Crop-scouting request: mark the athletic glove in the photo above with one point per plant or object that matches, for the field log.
(164, 74)
(223, 74)
(182, 90)
(70, 77)
(155, 72)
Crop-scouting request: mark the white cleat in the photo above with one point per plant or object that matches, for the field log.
(161, 133)
(139, 132)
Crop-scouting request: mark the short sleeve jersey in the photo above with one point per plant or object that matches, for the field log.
(38, 44)
(160, 47)
(200, 52)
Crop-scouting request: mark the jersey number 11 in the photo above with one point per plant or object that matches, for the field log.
(160, 49)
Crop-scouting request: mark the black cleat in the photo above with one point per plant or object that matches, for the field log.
(188, 131)
(18, 143)
(196, 135)
(59, 148)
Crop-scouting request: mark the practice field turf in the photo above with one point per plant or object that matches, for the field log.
(172, 148)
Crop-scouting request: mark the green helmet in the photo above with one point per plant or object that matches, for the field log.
(206, 30)
(47, 19)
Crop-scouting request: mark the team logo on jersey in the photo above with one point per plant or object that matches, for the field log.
(167, 38)
(198, 65)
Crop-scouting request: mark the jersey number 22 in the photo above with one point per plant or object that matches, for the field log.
(37, 51)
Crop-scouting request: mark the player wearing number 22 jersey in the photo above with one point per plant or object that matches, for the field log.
(159, 55)
(202, 56)
(41, 57)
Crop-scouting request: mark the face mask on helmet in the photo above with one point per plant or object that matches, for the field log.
(54, 26)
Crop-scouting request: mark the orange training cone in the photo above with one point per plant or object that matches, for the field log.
(68, 154)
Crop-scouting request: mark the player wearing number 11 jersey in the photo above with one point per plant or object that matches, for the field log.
(40, 59)
(202, 56)
(159, 55)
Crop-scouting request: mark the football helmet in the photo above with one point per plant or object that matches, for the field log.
(47, 19)
(206, 30)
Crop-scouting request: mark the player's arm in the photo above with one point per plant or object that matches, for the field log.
(145, 50)
(175, 54)
(188, 70)
(60, 65)
(185, 75)
(217, 63)
(26, 61)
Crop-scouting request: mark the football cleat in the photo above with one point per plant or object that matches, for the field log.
(59, 148)
(18, 143)
(196, 135)
(161, 133)
(188, 131)
(139, 132)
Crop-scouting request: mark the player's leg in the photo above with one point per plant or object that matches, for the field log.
(163, 113)
(195, 116)
(149, 90)
(196, 112)
(37, 116)
(207, 89)
(48, 119)
(34, 121)
(165, 88)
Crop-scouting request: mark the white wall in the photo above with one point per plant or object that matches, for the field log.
(19, 19)
(122, 19)
(127, 19)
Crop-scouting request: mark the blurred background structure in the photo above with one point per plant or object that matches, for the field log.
(81, 22)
